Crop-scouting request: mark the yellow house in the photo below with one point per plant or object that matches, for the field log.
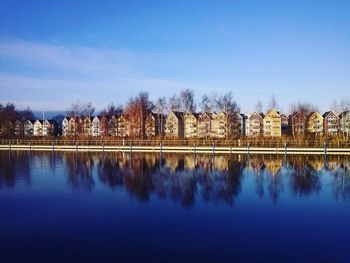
(191, 125)
(315, 123)
(272, 124)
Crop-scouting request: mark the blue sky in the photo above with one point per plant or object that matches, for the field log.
(55, 53)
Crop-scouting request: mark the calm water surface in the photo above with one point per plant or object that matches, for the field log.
(91, 207)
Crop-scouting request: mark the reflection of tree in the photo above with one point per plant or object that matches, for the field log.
(79, 171)
(223, 185)
(341, 182)
(109, 172)
(256, 167)
(14, 166)
(304, 179)
(276, 184)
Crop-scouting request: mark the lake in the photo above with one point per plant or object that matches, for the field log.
(67, 207)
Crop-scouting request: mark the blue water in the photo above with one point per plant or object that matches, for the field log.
(62, 207)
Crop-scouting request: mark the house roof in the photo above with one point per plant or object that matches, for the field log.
(312, 113)
(325, 115)
(344, 113)
(178, 114)
(31, 121)
(272, 110)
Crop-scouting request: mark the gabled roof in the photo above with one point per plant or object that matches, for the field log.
(270, 111)
(312, 113)
(325, 115)
(344, 114)
(19, 121)
(40, 121)
(31, 121)
(261, 115)
(196, 115)
(295, 114)
(178, 114)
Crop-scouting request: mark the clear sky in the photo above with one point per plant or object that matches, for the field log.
(55, 53)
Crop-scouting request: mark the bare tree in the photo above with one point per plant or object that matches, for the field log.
(342, 105)
(258, 107)
(160, 108)
(112, 110)
(136, 111)
(226, 103)
(273, 104)
(208, 103)
(174, 103)
(303, 107)
(187, 100)
(78, 109)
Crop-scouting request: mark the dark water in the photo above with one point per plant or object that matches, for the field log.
(62, 207)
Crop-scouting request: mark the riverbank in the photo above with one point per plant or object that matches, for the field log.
(177, 149)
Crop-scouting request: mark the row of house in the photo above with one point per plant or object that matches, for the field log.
(30, 128)
(213, 125)
(193, 125)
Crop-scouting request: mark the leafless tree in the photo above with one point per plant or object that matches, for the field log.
(258, 107)
(174, 103)
(160, 107)
(78, 109)
(208, 103)
(187, 101)
(136, 111)
(273, 104)
(303, 107)
(226, 103)
(112, 110)
(342, 105)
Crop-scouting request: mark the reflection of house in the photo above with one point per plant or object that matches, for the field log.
(174, 124)
(29, 128)
(315, 123)
(190, 125)
(189, 162)
(18, 128)
(297, 123)
(284, 124)
(221, 163)
(204, 125)
(272, 124)
(255, 124)
(344, 119)
(273, 166)
(330, 123)
(113, 126)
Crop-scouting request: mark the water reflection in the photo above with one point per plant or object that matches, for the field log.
(185, 179)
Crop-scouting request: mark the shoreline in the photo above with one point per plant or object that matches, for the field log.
(178, 149)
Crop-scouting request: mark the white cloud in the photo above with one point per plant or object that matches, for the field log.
(59, 75)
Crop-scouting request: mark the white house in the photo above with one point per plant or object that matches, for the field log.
(65, 126)
(29, 128)
(95, 126)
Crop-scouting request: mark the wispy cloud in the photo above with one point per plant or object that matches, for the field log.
(62, 74)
